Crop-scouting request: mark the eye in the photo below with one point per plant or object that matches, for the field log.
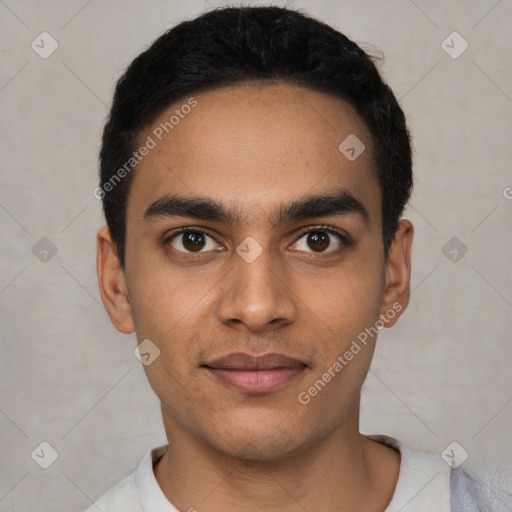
(190, 240)
(320, 239)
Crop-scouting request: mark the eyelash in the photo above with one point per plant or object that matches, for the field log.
(342, 237)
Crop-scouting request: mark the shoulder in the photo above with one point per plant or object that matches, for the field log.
(121, 498)
(426, 482)
(464, 493)
(470, 494)
(138, 492)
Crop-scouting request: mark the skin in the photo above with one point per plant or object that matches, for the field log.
(255, 147)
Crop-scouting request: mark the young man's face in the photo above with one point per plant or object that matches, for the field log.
(257, 282)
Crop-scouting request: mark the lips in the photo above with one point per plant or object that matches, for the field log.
(255, 374)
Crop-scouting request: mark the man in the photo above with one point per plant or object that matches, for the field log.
(254, 169)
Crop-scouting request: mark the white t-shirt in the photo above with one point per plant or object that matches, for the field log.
(426, 483)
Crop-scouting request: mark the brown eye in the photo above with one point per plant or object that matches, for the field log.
(192, 241)
(320, 240)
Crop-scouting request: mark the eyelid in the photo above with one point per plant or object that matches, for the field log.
(178, 231)
(344, 237)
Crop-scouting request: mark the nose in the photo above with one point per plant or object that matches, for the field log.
(256, 295)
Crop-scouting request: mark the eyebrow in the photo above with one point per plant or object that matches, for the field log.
(323, 205)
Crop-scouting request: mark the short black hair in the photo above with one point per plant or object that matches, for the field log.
(240, 45)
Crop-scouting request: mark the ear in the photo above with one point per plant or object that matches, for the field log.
(112, 284)
(397, 287)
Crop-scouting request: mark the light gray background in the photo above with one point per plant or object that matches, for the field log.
(68, 377)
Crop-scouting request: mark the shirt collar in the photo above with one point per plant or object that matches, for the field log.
(423, 481)
(148, 491)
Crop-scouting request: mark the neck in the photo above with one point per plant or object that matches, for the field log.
(343, 471)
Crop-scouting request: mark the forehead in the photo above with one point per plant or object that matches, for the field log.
(254, 146)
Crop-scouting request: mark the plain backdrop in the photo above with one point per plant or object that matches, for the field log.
(68, 378)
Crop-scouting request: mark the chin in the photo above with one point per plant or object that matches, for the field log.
(258, 445)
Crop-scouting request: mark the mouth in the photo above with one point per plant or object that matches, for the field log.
(255, 374)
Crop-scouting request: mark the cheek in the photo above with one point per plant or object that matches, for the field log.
(345, 313)
(161, 299)
(169, 309)
(345, 300)
(166, 311)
